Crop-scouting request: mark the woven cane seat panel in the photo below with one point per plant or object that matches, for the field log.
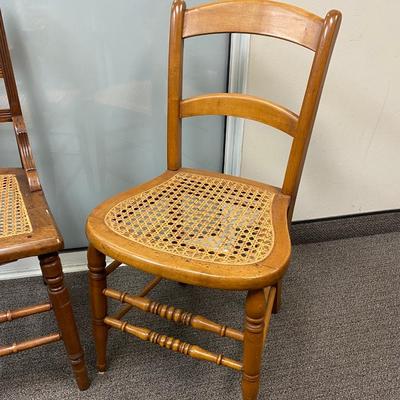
(14, 218)
(199, 217)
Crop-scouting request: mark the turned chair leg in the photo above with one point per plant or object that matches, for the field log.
(97, 283)
(278, 297)
(59, 298)
(253, 343)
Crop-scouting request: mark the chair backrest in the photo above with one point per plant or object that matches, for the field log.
(14, 114)
(262, 17)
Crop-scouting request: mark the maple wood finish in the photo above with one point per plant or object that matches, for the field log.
(174, 314)
(238, 105)
(115, 227)
(146, 290)
(42, 240)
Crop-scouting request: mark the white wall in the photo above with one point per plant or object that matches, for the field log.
(353, 162)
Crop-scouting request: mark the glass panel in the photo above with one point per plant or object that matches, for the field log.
(92, 77)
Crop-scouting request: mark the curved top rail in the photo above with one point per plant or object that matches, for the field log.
(261, 17)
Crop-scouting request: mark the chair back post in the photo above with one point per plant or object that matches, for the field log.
(310, 105)
(175, 76)
(15, 112)
(8, 73)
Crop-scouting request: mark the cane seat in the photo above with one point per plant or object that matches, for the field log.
(14, 218)
(26, 225)
(205, 225)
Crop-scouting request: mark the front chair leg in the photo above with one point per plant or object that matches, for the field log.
(59, 298)
(97, 283)
(253, 343)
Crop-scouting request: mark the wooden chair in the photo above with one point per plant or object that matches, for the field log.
(28, 229)
(204, 228)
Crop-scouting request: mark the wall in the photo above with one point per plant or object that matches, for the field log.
(353, 162)
(92, 80)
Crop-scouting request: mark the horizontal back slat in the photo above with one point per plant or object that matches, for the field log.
(255, 16)
(243, 106)
(5, 116)
(1, 72)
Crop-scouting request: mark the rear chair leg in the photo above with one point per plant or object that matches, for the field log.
(253, 343)
(59, 298)
(97, 283)
(278, 297)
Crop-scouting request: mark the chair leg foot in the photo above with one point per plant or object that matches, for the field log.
(278, 297)
(59, 297)
(97, 283)
(253, 343)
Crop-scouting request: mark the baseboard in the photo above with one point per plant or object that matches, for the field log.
(342, 227)
(72, 261)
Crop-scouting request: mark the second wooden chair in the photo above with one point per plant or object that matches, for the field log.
(27, 229)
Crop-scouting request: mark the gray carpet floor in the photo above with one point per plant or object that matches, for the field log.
(336, 337)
